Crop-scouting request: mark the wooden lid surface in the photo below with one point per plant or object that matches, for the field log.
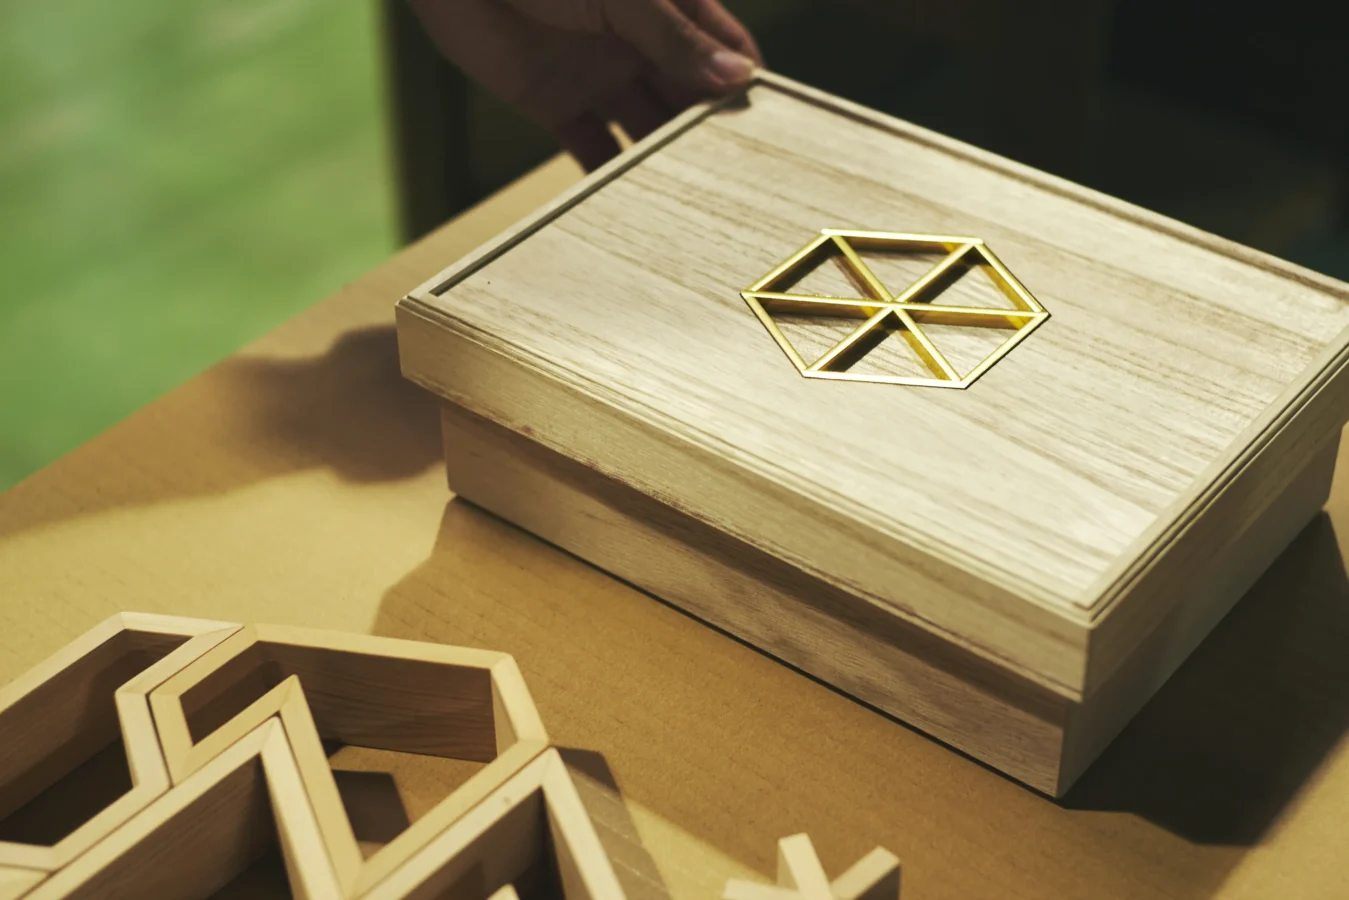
(1006, 514)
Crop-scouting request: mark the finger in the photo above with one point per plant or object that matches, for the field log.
(638, 110)
(677, 95)
(721, 23)
(550, 76)
(676, 45)
(587, 137)
(573, 15)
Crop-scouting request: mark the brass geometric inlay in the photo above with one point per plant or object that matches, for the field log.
(882, 311)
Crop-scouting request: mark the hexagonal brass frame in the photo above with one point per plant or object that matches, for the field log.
(880, 309)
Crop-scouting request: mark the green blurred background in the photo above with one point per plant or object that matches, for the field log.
(178, 177)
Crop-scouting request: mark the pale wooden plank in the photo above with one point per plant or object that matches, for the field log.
(15, 882)
(800, 620)
(535, 813)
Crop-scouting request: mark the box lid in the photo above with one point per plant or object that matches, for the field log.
(1144, 364)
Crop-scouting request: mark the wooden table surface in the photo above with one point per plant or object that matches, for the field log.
(299, 482)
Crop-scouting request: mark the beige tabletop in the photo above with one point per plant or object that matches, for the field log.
(299, 482)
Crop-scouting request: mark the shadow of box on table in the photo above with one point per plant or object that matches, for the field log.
(1222, 749)
(346, 410)
(1214, 758)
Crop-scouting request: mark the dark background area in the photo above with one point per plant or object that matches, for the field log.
(1231, 117)
(177, 178)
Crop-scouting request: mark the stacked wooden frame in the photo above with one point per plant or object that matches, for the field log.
(223, 728)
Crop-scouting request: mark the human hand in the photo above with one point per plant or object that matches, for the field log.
(573, 66)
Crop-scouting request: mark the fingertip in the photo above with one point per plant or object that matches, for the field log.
(730, 69)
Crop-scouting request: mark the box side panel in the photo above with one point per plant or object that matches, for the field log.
(1178, 568)
(1230, 573)
(949, 693)
(1036, 641)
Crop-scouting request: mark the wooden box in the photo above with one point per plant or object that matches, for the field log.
(992, 453)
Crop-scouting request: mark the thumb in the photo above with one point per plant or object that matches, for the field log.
(676, 45)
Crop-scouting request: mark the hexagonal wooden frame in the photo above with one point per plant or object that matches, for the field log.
(52, 727)
(191, 818)
(364, 691)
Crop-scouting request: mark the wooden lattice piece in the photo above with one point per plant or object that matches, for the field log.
(802, 877)
(78, 702)
(389, 694)
(224, 726)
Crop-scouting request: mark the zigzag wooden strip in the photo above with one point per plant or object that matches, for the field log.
(224, 726)
(15, 882)
(75, 703)
(199, 836)
(507, 841)
(378, 692)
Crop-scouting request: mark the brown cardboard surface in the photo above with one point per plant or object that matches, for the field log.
(300, 482)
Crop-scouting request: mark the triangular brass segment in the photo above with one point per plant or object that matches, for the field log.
(765, 303)
(791, 264)
(923, 346)
(866, 278)
(841, 349)
(934, 275)
(1009, 284)
(778, 337)
(1006, 347)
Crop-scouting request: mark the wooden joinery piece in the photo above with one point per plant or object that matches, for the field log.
(359, 690)
(875, 876)
(74, 707)
(532, 829)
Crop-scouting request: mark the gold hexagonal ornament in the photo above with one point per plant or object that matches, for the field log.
(882, 311)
